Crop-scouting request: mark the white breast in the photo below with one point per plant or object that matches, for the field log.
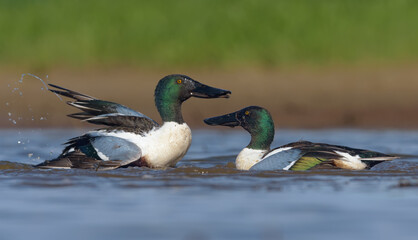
(167, 145)
(163, 146)
(248, 157)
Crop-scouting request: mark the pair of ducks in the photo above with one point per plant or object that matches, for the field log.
(133, 139)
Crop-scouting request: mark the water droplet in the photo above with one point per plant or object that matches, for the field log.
(7, 104)
(19, 142)
(14, 122)
(10, 114)
(41, 118)
(20, 93)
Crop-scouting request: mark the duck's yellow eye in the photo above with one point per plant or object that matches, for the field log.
(179, 81)
(247, 113)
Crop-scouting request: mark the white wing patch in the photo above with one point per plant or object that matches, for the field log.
(289, 166)
(349, 162)
(277, 151)
(101, 155)
(348, 157)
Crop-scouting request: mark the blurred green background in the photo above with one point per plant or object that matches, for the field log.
(215, 33)
(322, 63)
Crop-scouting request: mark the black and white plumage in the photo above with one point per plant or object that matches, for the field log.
(304, 155)
(96, 149)
(131, 138)
(297, 156)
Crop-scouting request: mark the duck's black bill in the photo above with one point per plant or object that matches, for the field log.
(228, 120)
(204, 91)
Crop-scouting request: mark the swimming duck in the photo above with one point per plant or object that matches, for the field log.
(131, 138)
(296, 156)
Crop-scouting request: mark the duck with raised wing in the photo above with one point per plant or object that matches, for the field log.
(297, 156)
(131, 138)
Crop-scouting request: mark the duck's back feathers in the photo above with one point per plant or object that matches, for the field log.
(304, 155)
(317, 155)
(328, 150)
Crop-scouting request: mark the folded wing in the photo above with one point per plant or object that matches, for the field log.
(279, 160)
(95, 152)
(304, 155)
(322, 155)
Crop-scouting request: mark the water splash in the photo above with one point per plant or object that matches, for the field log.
(16, 89)
(34, 76)
(17, 95)
(40, 79)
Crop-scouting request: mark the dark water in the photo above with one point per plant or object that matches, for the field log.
(205, 197)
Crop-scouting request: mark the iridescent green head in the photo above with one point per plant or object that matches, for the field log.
(256, 120)
(173, 90)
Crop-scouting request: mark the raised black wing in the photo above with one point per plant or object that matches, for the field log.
(104, 112)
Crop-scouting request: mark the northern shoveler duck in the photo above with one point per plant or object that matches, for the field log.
(296, 156)
(131, 138)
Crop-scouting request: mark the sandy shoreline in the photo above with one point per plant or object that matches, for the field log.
(370, 97)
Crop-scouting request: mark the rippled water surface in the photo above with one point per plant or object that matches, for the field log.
(205, 197)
